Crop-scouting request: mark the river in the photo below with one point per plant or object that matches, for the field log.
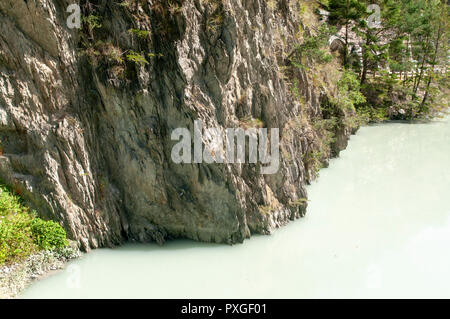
(378, 225)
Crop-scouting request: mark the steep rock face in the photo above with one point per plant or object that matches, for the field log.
(86, 136)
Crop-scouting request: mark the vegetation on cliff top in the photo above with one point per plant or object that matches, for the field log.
(22, 233)
(403, 59)
(393, 70)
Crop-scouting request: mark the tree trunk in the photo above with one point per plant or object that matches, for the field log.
(436, 49)
(346, 46)
(418, 78)
(365, 63)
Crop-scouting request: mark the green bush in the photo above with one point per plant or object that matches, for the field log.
(137, 58)
(349, 91)
(142, 34)
(22, 233)
(48, 234)
(313, 48)
(93, 22)
(16, 239)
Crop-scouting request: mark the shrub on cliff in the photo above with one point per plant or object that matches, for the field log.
(22, 233)
(48, 234)
(16, 240)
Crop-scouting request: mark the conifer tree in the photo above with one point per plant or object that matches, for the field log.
(346, 13)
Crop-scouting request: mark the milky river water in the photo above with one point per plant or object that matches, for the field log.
(378, 225)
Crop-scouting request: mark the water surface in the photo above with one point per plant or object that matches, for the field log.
(378, 225)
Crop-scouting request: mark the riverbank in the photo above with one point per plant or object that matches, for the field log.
(16, 277)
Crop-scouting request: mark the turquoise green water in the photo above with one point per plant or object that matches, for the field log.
(378, 225)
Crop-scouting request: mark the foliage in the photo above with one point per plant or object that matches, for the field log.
(346, 12)
(152, 55)
(92, 22)
(314, 48)
(349, 93)
(48, 234)
(22, 233)
(142, 34)
(367, 114)
(313, 161)
(125, 4)
(137, 58)
(16, 239)
(402, 59)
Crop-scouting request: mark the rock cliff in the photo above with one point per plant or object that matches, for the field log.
(85, 122)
